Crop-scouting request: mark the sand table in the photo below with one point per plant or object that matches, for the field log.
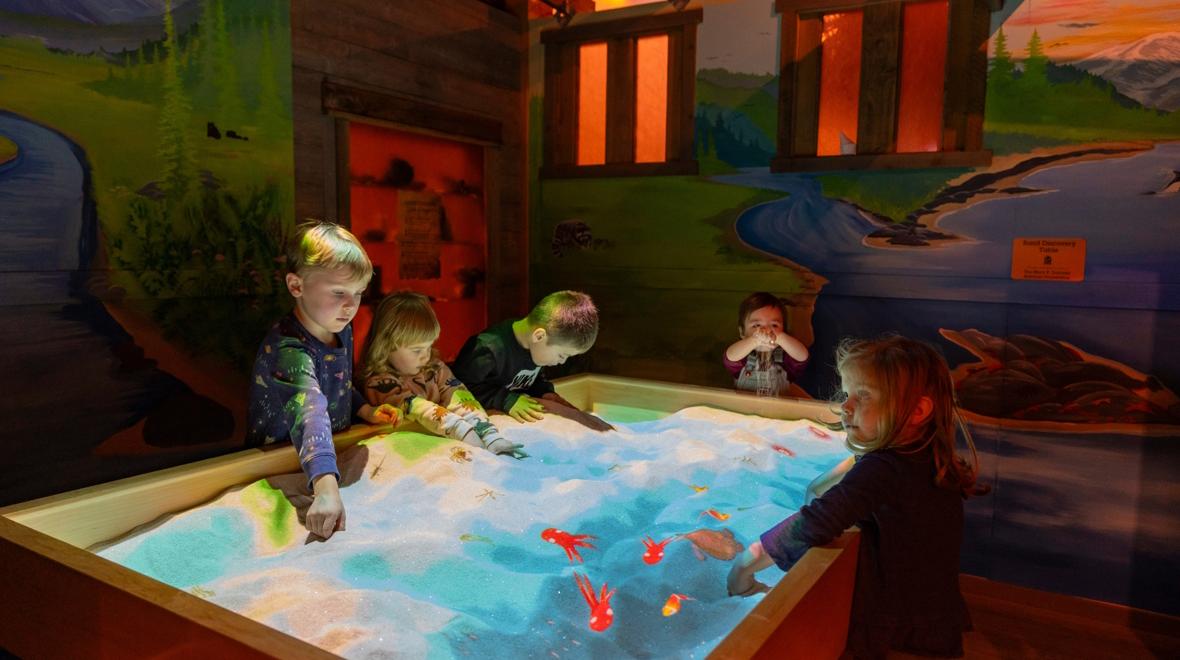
(444, 556)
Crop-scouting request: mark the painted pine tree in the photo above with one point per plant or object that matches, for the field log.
(174, 147)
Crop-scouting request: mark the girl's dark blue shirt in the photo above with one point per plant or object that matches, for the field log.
(907, 579)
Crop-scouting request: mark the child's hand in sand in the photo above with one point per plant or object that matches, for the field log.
(526, 409)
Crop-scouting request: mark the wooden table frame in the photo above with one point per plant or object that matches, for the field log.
(61, 600)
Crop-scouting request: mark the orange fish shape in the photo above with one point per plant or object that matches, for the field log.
(568, 542)
(672, 606)
(655, 551)
(783, 450)
(601, 615)
(819, 433)
(698, 489)
(714, 513)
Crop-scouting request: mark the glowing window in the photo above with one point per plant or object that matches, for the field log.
(651, 98)
(923, 64)
(592, 104)
(839, 87)
(620, 96)
(881, 83)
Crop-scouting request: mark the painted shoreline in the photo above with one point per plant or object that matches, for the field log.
(1000, 181)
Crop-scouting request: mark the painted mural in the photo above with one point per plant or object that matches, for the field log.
(146, 186)
(1070, 386)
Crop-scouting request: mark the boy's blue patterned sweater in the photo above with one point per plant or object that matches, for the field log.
(302, 391)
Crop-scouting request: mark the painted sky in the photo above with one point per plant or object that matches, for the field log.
(742, 35)
(1074, 29)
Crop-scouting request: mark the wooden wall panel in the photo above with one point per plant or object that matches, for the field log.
(460, 55)
(880, 54)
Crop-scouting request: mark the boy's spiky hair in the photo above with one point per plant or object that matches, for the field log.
(327, 245)
(570, 318)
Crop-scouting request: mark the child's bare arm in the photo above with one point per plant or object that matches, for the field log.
(742, 347)
(326, 514)
(823, 482)
(570, 412)
(792, 346)
(741, 581)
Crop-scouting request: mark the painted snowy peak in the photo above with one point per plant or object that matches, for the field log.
(1147, 70)
(1046, 383)
(98, 12)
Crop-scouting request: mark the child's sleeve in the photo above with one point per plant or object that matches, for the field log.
(306, 408)
(793, 367)
(541, 386)
(477, 369)
(386, 388)
(855, 498)
(733, 367)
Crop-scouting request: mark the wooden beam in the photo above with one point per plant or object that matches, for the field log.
(620, 100)
(570, 171)
(805, 112)
(64, 602)
(966, 75)
(412, 114)
(607, 29)
(880, 53)
(882, 161)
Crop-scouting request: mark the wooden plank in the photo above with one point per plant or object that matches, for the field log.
(788, 34)
(619, 169)
(97, 513)
(806, 614)
(620, 100)
(958, 62)
(364, 67)
(561, 105)
(64, 602)
(346, 99)
(470, 52)
(805, 116)
(976, 77)
(601, 28)
(677, 117)
(879, 72)
(342, 176)
(686, 109)
(882, 161)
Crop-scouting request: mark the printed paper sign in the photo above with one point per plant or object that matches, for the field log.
(1062, 259)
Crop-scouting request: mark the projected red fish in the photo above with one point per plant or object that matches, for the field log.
(655, 551)
(568, 542)
(601, 615)
(672, 606)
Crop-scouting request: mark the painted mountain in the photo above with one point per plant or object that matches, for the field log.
(100, 12)
(1147, 70)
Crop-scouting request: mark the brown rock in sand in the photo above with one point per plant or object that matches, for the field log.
(718, 544)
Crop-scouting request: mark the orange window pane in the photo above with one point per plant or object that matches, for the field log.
(651, 98)
(923, 73)
(592, 104)
(839, 87)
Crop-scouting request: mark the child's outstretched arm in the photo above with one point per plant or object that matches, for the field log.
(825, 481)
(558, 406)
(311, 433)
(743, 347)
(325, 516)
(741, 580)
(792, 346)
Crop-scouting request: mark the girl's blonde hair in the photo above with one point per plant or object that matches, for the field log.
(329, 246)
(905, 370)
(404, 318)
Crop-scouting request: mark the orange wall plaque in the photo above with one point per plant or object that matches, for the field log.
(1061, 259)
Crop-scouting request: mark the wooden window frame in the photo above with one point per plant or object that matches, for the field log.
(965, 87)
(561, 95)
